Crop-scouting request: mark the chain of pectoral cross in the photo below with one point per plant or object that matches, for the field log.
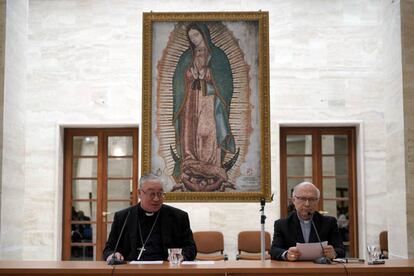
(142, 249)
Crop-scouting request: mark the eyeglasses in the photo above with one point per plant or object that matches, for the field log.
(152, 195)
(303, 199)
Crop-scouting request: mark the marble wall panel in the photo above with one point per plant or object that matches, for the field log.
(394, 129)
(407, 27)
(13, 176)
(328, 63)
(2, 50)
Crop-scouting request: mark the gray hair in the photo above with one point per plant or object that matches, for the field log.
(148, 177)
(306, 183)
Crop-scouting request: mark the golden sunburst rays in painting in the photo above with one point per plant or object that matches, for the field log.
(240, 108)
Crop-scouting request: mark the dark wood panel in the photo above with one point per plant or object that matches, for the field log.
(54, 268)
(250, 268)
(229, 268)
(391, 267)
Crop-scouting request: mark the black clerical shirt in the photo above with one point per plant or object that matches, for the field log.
(153, 247)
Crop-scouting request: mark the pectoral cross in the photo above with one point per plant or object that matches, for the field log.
(141, 249)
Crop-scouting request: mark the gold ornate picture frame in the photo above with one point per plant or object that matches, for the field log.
(205, 105)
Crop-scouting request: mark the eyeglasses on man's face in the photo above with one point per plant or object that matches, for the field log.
(303, 199)
(152, 194)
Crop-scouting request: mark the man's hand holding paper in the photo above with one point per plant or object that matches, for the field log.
(310, 251)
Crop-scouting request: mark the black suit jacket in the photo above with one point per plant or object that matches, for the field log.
(287, 232)
(175, 233)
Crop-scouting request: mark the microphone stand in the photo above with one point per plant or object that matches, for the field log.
(114, 260)
(322, 259)
(262, 231)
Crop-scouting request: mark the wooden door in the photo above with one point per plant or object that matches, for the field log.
(101, 177)
(325, 156)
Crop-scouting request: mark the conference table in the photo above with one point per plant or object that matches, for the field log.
(222, 268)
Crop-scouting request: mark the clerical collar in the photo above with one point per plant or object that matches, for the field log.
(148, 214)
(302, 220)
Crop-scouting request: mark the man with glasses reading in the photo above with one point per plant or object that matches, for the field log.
(297, 227)
(151, 227)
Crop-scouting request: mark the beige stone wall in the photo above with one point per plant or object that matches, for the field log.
(2, 46)
(407, 38)
(78, 62)
(13, 222)
(394, 179)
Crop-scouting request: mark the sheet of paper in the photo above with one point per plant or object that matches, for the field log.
(146, 262)
(197, 263)
(310, 251)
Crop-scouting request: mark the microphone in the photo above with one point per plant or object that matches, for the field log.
(113, 260)
(262, 230)
(323, 259)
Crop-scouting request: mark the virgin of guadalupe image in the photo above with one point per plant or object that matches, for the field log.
(202, 94)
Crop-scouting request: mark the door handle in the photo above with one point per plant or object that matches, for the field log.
(105, 215)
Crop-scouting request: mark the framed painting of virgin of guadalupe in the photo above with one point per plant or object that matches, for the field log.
(205, 115)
